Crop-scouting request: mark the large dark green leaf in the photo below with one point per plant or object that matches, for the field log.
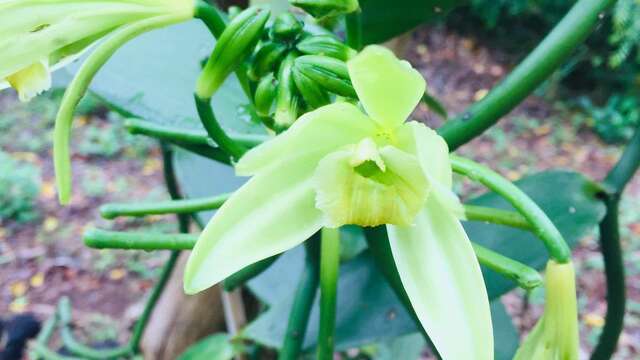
(568, 198)
(383, 20)
(153, 77)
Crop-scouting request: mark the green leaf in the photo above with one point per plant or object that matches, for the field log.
(213, 347)
(382, 22)
(153, 77)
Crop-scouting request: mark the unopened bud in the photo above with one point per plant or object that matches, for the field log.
(234, 45)
(326, 45)
(288, 100)
(331, 74)
(312, 94)
(286, 27)
(266, 59)
(265, 95)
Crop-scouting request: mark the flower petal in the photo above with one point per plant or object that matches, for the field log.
(273, 212)
(388, 88)
(318, 132)
(386, 188)
(31, 81)
(442, 277)
(433, 153)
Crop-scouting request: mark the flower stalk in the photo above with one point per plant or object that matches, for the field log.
(329, 271)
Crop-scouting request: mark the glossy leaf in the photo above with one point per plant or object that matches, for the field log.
(382, 22)
(213, 347)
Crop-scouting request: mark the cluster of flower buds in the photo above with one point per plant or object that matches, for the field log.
(295, 71)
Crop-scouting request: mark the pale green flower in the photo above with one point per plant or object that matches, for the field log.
(336, 166)
(555, 336)
(39, 36)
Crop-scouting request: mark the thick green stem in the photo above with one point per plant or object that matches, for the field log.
(215, 131)
(102, 239)
(496, 216)
(187, 206)
(615, 183)
(43, 338)
(529, 74)
(525, 276)
(302, 302)
(186, 136)
(329, 270)
(353, 24)
(542, 225)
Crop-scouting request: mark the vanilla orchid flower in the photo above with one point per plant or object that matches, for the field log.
(40, 36)
(337, 166)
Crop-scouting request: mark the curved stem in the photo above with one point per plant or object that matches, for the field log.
(528, 75)
(615, 182)
(523, 275)
(211, 16)
(77, 348)
(302, 303)
(187, 206)
(102, 239)
(329, 271)
(77, 89)
(496, 216)
(542, 225)
(215, 131)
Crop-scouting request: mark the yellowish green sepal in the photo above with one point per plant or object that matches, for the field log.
(555, 336)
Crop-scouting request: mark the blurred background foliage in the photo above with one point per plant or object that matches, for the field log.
(603, 76)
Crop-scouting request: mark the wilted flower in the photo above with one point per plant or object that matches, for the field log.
(337, 166)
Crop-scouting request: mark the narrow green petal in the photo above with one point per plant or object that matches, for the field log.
(31, 81)
(388, 187)
(388, 88)
(442, 277)
(319, 132)
(271, 213)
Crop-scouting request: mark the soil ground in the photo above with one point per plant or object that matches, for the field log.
(44, 259)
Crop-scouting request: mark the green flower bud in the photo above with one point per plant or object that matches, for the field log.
(312, 94)
(326, 45)
(286, 27)
(326, 8)
(329, 73)
(265, 95)
(288, 100)
(234, 45)
(267, 59)
(555, 336)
